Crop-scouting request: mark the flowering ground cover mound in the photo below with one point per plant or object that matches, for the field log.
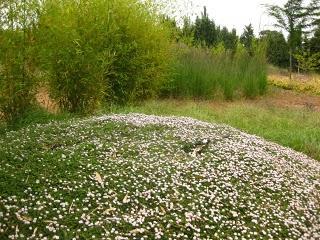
(147, 177)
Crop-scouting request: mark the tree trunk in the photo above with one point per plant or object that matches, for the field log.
(290, 67)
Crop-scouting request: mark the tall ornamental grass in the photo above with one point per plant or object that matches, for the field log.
(211, 73)
(102, 50)
(143, 51)
(75, 52)
(17, 78)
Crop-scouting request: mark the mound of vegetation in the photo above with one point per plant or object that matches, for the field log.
(147, 177)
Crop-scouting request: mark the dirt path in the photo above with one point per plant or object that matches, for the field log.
(275, 98)
(291, 99)
(278, 98)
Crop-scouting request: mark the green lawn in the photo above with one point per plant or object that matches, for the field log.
(291, 127)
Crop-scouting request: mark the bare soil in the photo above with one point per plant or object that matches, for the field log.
(278, 98)
(44, 100)
(291, 99)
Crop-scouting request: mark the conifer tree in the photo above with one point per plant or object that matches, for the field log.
(247, 38)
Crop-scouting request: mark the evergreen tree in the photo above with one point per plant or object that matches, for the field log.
(247, 38)
(315, 41)
(205, 30)
(308, 61)
(232, 40)
(187, 31)
(229, 39)
(314, 12)
(314, 45)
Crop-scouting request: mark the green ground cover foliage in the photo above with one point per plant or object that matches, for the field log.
(136, 176)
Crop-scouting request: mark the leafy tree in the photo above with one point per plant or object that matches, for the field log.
(247, 38)
(292, 17)
(277, 49)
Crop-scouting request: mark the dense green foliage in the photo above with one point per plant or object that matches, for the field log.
(75, 52)
(277, 48)
(298, 19)
(213, 63)
(307, 61)
(205, 30)
(313, 47)
(143, 53)
(102, 49)
(17, 78)
(228, 38)
(92, 52)
(315, 41)
(206, 74)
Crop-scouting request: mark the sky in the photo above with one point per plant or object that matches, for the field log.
(234, 13)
